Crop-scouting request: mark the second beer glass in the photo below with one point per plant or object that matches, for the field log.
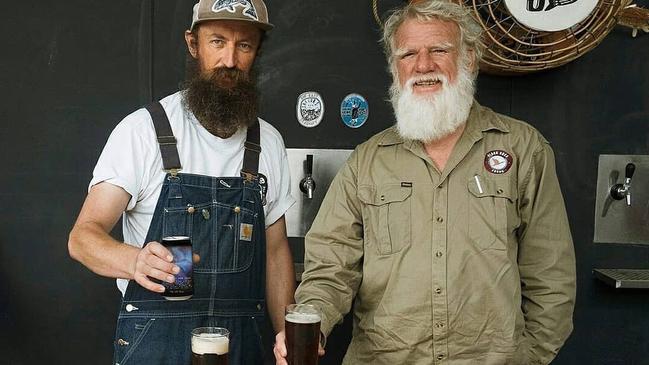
(210, 346)
(302, 322)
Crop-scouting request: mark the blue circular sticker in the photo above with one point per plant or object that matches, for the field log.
(354, 110)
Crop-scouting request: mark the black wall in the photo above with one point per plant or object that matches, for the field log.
(72, 69)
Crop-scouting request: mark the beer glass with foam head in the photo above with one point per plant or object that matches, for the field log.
(302, 323)
(210, 346)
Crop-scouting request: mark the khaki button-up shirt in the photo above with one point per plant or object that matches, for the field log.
(470, 265)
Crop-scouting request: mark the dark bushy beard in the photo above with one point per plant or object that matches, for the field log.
(223, 99)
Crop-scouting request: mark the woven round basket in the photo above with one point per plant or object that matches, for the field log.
(512, 48)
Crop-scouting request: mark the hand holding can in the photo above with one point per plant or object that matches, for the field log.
(183, 286)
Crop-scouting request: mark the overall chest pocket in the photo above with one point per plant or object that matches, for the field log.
(222, 235)
(491, 211)
(386, 216)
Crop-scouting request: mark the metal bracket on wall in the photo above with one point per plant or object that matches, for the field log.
(324, 165)
(622, 213)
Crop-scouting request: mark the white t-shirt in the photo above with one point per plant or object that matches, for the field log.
(131, 160)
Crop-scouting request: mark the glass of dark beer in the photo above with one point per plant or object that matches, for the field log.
(210, 346)
(183, 287)
(302, 323)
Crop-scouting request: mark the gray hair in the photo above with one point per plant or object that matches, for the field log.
(470, 31)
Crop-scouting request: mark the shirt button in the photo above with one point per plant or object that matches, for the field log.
(439, 325)
(438, 253)
(440, 219)
(499, 191)
(438, 291)
(440, 356)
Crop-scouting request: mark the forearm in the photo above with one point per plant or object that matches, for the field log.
(280, 284)
(546, 262)
(545, 335)
(548, 304)
(334, 249)
(98, 251)
(330, 287)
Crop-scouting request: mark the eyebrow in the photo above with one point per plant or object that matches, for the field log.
(444, 46)
(221, 36)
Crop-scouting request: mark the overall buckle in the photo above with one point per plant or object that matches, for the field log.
(173, 172)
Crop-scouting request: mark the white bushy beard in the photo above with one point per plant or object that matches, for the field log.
(431, 117)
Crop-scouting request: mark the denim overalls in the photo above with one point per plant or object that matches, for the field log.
(224, 217)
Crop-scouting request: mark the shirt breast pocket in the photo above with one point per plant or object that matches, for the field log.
(386, 216)
(491, 206)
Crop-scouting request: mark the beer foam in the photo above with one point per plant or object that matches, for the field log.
(303, 318)
(210, 343)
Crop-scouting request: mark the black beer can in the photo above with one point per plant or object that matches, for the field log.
(183, 287)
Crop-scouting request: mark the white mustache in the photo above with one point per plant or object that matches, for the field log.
(429, 77)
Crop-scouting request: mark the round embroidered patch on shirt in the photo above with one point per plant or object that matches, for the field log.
(498, 161)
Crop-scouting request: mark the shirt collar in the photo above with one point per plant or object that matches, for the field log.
(391, 137)
(482, 119)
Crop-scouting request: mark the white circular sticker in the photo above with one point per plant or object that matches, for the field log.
(550, 15)
(309, 109)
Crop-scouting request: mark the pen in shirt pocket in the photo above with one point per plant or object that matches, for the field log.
(477, 182)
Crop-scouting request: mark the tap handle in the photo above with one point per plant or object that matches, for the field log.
(628, 172)
(309, 165)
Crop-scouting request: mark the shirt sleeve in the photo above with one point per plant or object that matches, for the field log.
(546, 261)
(334, 250)
(279, 198)
(126, 159)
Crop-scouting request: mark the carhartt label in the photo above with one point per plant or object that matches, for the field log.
(245, 232)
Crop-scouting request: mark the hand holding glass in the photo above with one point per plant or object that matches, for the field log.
(302, 323)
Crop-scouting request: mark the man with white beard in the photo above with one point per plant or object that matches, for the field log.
(447, 232)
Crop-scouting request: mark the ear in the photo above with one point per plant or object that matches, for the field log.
(472, 64)
(192, 43)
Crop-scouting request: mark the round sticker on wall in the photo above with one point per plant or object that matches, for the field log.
(309, 109)
(550, 15)
(354, 110)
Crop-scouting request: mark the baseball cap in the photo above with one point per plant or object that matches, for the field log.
(253, 11)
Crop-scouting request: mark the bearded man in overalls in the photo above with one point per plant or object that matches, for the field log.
(198, 163)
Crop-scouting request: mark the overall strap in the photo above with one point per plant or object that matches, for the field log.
(250, 168)
(166, 139)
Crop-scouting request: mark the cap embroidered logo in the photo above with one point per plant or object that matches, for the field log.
(230, 5)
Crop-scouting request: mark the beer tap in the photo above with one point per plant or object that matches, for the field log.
(307, 185)
(622, 191)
